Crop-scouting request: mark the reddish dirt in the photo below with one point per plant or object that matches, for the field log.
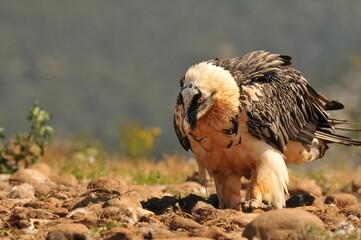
(34, 204)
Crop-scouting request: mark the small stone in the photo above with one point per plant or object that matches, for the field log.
(28, 176)
(111, 184)
(341, 199)
(244, 219)
(4, 210)
(61, 212)
(135, 214)
(55, 201)
(4, 177)
(69, 230)
(40, 214)
(353, 210)
(109, 212)
(178, 222)
(61, 195)
(211, 232)
(281, 224)
(80, 213)
(121, 233)
(42, 167)
(124, 200)
(143, 193)
(203, 211)
(17, 221)
(42, 189)
(22, 191)
(303, 186)
(68, 180)
(39, 205)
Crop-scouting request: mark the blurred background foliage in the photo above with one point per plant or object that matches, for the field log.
(96, 64)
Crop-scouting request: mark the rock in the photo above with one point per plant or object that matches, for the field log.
(203, 211)
(81, 213)
(109, 212)
(40, 214)
(55, 201)
(182, 223)
(68, 180)
(155, 232)
(42, 167)
(18, 219)
(22, 191)
(143, 193)
(243, 219)
(121, 233)
(42, 189)
(4, 177)
(124, 200)
(68, 231)
(301, 186)
(211, 232)
(39, 205)
(4, 210)
(111, 184)
(341, 199)
(135, 214)
(281, 224)
(4, 190)
(28, 176)
(60, 195)
(353, 210)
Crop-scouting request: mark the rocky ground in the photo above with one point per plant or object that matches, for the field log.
(36, 204)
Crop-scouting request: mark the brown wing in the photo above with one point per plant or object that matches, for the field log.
(178, 123)
(279, 102)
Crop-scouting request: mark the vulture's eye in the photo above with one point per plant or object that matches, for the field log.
(201, 99)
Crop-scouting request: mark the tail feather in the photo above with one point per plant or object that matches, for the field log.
(272, 176)
(335, 138)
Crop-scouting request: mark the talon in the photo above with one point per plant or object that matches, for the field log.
(252, 205)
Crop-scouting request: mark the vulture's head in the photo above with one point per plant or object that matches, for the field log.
(209, 94)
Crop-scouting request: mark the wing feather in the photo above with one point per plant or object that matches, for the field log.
(178, 123)
(288, 108)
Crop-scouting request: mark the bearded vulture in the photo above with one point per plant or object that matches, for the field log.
(248, 117)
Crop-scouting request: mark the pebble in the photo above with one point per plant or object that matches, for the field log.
(281, 224)
(42, 167)
(302, 186)
(68, 180)
(28, 176)
(182, 223)
(341, 199)
(353, 210)
(22, 191)
(111, 184)
(69, 231)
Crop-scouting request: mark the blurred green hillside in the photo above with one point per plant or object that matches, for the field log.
(95, 64)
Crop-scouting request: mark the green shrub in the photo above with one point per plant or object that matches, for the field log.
(26, 149)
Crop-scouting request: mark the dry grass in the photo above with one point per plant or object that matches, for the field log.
(170, 169)
(331, 176)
